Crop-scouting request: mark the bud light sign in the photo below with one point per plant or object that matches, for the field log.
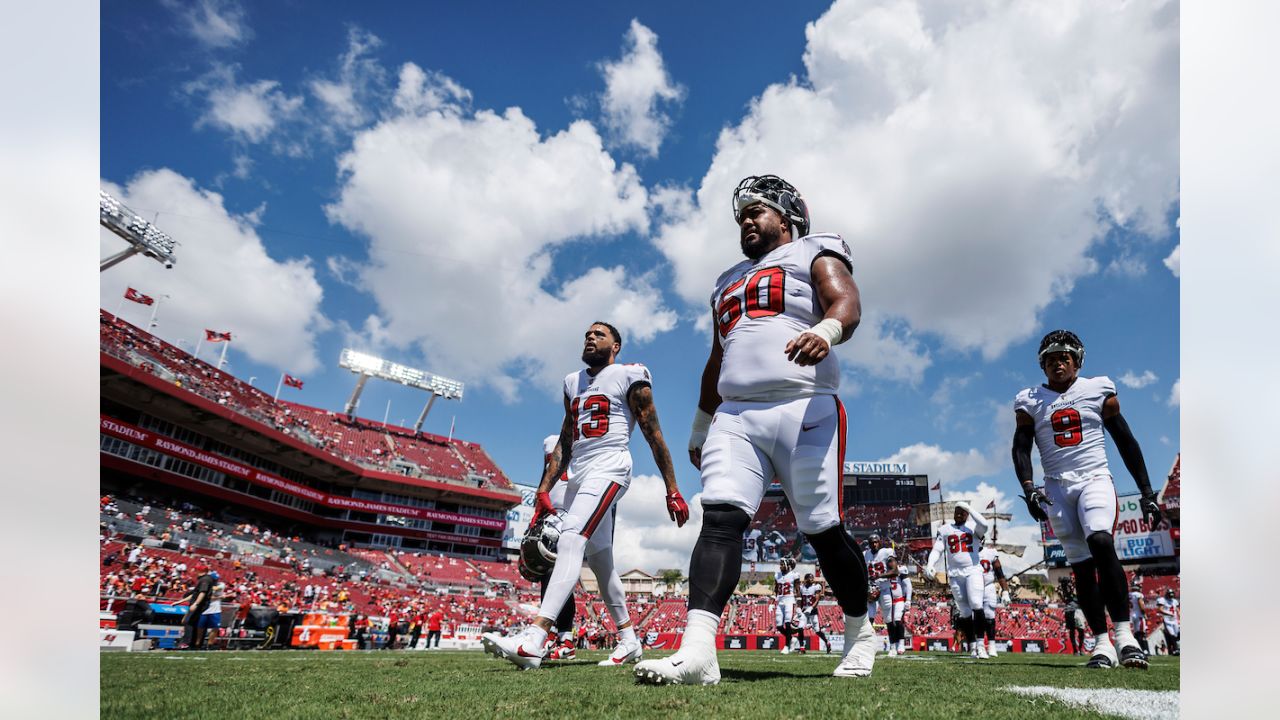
(1135, 539)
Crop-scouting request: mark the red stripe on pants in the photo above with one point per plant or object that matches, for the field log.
(842, 428)
(606, 501)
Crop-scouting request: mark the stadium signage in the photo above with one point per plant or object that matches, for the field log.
(876, 468)
(154, 441)
(1135, 539)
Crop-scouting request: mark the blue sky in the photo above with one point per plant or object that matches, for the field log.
(465, 188)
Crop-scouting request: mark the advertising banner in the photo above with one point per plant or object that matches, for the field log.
(168, 446)
(1135, 539)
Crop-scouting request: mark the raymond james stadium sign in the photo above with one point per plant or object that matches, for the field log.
(876, 468)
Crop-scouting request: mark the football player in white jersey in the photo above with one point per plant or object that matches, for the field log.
(810, 596)
(992, 577)
(601, 405)
(901, 603)
(563, 648)
(768, 408)
(786, 583)
(1138, 614)
(1171, 619)
(1065, 418)
(751, 544)
(958, 543)
(882, 567)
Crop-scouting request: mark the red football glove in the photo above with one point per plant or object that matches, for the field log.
(542, 506)
(677, 508)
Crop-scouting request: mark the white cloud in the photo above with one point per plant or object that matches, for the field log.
(947, 466)
(223, 280)
(469, 207)
(360, 79)
(214, 23)
(1130, 380)
(1174, 261)
(637, 89)
(972, 156)
(1127, 265)
(1175, 393)
(250, 112)
(645, 537)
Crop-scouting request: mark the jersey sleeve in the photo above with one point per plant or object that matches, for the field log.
(570, 385)
(1106, 386)
(1022, 402)
(829, 244)
(549, 445)
(637, 373)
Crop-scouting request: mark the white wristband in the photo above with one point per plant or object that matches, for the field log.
(830, 330)
(701, 424)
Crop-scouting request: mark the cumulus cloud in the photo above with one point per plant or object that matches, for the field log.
(645, 537)
(214, 23)
(1175, 393)
(347, 96)
(470, 206)
(971, 156)
(638, 92)
(947, 466)
(1127, 265)
(224, 278)
(1174, 261)
(1131, 380)
(250, 112)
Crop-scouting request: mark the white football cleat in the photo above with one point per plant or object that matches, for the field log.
(893, 651)
(517, 649)
(860, 655)
(624, 653)
(991, 650)
(980, 651)
(686, 667)
(563, 651)
(786, 650)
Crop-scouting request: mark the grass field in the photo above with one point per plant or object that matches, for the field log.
(278, 685)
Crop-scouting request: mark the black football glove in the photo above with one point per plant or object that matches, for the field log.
(1151, 511)
(1034, 498)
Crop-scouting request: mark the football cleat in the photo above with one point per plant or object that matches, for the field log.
(860, 654)
(1103, 658)
(518, 650)
(564, 651)
(786, 650)
(893, 651)
(980, 651)
(685, 667)
(625, 652)
(1131, 656)
(991, 650)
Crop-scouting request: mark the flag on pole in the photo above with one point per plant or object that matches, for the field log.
(936, 486)
(991, 505)
(451, 422)
(212, 336)
(134, 295)
(292, 381)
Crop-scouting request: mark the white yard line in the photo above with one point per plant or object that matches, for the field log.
(1136, 704)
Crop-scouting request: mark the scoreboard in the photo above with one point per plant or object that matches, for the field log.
(862, 489)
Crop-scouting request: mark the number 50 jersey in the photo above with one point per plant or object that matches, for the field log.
(599, 410)
(1069, 426)
(758, 306)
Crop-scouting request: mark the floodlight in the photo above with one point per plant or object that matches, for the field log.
(367, 366)
(142, 236)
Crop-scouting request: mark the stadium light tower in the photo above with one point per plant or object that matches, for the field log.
(142, 236)
(367, 366)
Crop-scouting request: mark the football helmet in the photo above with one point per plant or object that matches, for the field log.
(538, 548)
(875, 542)
(787, 565)
(777, 194)
(1062, 341)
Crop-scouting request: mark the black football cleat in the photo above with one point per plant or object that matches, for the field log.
(1131, 656)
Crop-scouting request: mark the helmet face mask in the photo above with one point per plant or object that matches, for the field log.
(776, 193)
(538, 549)
(1062, 341)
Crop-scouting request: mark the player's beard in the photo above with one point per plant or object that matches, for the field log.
(765, 241)
(596, 358)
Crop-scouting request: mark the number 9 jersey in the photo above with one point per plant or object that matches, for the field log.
(598, 408)
(758, 307)
(1069, 426)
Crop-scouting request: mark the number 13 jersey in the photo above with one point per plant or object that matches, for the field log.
(758, 306)
(1069, 426)
(599, 410)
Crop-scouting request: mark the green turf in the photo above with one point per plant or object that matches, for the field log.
(277, 685)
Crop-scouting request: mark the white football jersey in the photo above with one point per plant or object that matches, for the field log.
(810, 595)
(558, 490)
(1170, 611)
(958, 542)
(987, 558)
(877, 563)
(598, 408)
(1135, 604)
(749, 540)
(758, 306)
(1069, 426)
(784, 585)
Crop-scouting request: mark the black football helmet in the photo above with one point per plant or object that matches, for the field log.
(786, 564)
(1062, 341)
(538, 549)
(777, 194)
